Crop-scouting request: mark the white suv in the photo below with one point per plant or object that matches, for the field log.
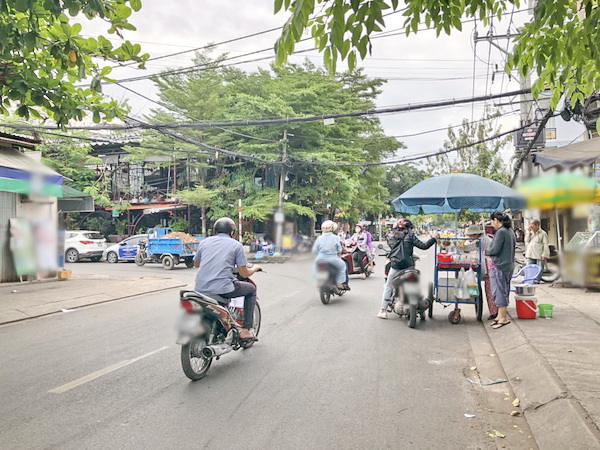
(83, 244)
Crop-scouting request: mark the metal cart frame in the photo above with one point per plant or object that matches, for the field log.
(449, 298)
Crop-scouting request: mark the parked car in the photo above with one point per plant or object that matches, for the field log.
(124, 250)
(80, 244)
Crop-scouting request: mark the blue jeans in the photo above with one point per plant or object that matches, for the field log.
(500, 286)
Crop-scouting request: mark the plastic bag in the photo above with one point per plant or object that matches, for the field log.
(461, 290)
(472, 285)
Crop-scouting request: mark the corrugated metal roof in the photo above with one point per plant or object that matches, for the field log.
(70, 192)
(15, 159)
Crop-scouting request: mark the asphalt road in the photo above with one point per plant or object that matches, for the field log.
(322, 376)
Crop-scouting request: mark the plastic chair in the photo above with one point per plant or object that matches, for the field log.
(530, 274)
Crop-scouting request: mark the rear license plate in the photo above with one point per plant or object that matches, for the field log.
(189, 324)
(411, 288)
(322, 276)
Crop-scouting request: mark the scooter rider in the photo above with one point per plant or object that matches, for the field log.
(217, 257)
(328, 249)
(364, 247)
(401, 240)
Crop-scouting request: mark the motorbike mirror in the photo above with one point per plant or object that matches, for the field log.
(380, 246)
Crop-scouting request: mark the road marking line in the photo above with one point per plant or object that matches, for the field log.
(99, 373)
(291, 295)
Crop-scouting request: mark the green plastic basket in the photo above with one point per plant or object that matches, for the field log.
(545, 310)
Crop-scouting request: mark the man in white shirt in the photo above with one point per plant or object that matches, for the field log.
(537, 250)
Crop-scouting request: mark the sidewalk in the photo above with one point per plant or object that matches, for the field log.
(553, 366)
(20, 301)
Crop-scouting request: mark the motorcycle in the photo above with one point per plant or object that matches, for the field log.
(210, 327)
(347, 255)
(407, 300)
(551, 266)
(326, 281)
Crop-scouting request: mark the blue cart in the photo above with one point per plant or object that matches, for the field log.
(168, 251)
(444, 281)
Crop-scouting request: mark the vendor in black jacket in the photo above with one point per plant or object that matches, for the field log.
(401, 240)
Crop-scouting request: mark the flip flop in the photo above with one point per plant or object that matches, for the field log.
(500, 325)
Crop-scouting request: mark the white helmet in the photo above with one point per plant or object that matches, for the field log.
(329, 226)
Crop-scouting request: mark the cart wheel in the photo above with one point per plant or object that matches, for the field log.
(139, 260)
(189, 263)
(479, 305)
(168, 262)
(454, 317)
(431, 293)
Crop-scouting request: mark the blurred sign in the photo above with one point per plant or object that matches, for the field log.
(524, 137)
(22, 246)
(279, 217)
(328, 121)
(550, 133)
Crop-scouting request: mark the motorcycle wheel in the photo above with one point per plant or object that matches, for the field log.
(139, 260)
(325, 295)
(256, 320)
(194, 367)
(431, 293)
(412, 316)
(551, 272)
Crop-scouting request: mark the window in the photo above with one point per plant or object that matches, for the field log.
(93, 236)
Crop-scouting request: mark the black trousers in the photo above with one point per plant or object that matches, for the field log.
(357, 258)
(248, 291)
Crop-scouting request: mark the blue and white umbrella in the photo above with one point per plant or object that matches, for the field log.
(457, 191)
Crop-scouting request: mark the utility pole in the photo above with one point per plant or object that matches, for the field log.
(279, 216)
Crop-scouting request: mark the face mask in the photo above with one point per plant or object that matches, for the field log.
(357, 229)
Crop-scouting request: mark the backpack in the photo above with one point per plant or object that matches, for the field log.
(398, 255)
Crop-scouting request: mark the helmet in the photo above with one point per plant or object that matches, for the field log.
(335, 226)
(403, 223)
(329, 226)
(224, 225)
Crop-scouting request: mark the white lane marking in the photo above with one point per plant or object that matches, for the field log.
(291, 295)
(99, 373)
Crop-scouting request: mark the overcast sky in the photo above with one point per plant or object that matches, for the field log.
(419, 68)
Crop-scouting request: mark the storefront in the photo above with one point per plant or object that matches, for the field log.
(28, 211)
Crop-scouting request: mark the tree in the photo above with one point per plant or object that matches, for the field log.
(560, 44)
(401, 177)
(226, 93)
(43, 55)
(482, 159)
(201, 198)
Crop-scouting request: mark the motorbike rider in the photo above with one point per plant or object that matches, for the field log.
(216, 258)
(401, 240)
(328, 249)
(364, 247)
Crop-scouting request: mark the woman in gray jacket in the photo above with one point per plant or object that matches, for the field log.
(501, 264)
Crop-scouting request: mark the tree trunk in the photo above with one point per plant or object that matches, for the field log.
(203, 211)
(312, 227)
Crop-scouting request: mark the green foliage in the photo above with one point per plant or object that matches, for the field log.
(96, 222)
(200, 197)
(70, 158)
(482, 159)
(120, 226)
(179, 224)
(401, 177)
(43, 56)
(560, 44)
(225, 93)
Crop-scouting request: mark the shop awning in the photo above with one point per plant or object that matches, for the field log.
(23, 175)
(153, 207)
(580, 154)
(74, 200)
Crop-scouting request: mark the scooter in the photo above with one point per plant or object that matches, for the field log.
(407, 300)
(210, 327)
(347, 255)
(326, 281)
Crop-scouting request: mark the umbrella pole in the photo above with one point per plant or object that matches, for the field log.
(456, 223)
(558, 236)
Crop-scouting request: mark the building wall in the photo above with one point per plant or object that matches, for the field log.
(8, 210)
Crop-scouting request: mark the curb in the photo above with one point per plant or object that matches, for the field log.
(82, 302)
(556, 418)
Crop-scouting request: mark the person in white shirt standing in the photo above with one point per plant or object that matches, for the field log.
(537, 250)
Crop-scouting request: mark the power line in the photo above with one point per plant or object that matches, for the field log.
(376, 111)
(415, 158)
(193, 118)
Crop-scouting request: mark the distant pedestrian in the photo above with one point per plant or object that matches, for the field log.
(537, 250)
(501, 264)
